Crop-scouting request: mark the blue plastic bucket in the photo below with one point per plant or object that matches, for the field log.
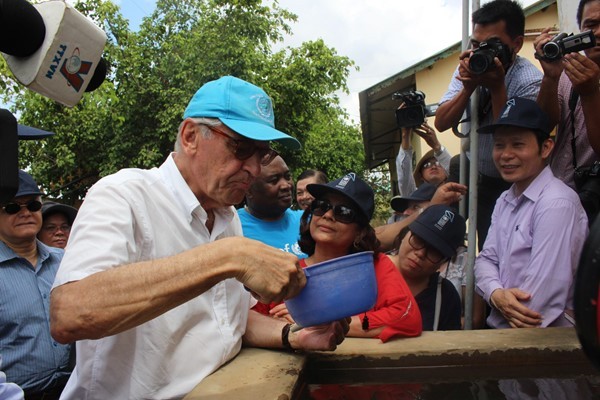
(335, 289)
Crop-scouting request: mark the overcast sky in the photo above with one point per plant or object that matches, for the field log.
(383, 37)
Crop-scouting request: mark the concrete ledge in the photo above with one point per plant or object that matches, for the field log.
(267, 374)
(253, 374)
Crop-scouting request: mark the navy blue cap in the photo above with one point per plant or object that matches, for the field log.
(424, 192)
(29, 133)
(523, 113)
(350, 186)
(441, 227)
(52, 207)
(27, 186)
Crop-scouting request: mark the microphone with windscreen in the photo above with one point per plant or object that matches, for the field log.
(52, 48)
(9, 166)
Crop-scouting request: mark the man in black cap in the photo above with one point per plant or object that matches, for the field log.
(30, 357)
(405, 206)
(57, 220)
(525, 270)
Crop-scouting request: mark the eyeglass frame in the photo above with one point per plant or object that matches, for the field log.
(265, 159)
(431, 164)
(428, 248)
(337, 211)
(32, 206)
(66, 228)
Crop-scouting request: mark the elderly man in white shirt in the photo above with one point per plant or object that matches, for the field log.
(152, 286)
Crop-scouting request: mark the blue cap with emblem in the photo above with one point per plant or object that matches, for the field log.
(242, 107)
(441, 227)
(350, 186)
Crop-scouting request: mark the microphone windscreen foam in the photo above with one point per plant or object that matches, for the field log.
(98, 77)
(22, 28)
(9, 166)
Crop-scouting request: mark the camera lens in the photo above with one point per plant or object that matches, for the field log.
(551, 50)
(480, 62)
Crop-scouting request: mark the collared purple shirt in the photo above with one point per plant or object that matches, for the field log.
(534, 244)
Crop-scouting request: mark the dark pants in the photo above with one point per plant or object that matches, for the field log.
(51, 393)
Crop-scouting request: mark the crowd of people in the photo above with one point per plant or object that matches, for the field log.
(162, 275)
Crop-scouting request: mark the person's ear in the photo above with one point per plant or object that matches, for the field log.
(517, 44)
(547, 146)
(190, 132)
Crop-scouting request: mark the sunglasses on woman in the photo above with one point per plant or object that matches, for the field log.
(13, 208)
(341, 213)
(244, 149)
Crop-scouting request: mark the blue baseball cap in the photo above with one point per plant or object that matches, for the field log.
(242, 107)
(27, 186)
(30, 133)
(442, 227)
(424, 192)
(523, 113)
(350, 186)
(24, 132)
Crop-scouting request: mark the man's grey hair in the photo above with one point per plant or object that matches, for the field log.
(198, 121)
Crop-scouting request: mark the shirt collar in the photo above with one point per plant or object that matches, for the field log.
(535, 188)
(6, 253)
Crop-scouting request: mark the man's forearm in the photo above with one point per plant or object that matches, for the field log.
(548, 98)
(115, 300)
(449, 113)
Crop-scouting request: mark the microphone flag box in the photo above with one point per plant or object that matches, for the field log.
(64, 65)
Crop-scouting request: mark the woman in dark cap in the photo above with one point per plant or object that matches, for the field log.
(337, 224)
(423, 247)
(57, 220)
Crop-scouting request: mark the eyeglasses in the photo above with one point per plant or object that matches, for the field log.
(244, 149)
(13, 208)
(431, 254)
(51, 229)
(431, 164)
(341, 213)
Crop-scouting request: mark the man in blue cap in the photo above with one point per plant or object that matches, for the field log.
(527, 266)
(152, 284)
(30, 357)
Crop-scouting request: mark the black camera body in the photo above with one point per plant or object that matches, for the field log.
(587, 181)
(482, 58)
(562, 44)
(415, 112)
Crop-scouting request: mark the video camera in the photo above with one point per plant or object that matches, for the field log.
(415, 112)
(563, 43)
(482, 58)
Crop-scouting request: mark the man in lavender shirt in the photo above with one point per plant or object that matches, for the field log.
(527, 266)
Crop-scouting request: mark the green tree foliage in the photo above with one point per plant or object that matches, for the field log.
(132, 119)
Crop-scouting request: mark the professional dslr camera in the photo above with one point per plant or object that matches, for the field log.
(562, 44)
(415, 112)
(482, 58)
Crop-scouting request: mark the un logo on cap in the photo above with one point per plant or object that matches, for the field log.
(264, 107)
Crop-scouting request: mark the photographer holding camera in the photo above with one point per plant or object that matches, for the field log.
(570, 95)
(431, 168)
(493, 68)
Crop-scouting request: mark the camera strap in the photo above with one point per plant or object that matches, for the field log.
(573, 98)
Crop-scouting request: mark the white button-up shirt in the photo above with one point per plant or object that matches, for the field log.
(136, 215)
